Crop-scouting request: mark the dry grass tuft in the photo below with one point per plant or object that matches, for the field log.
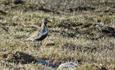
(75, 34)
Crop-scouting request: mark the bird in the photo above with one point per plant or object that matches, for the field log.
(39, 36)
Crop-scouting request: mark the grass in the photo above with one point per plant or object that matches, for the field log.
(73, 36)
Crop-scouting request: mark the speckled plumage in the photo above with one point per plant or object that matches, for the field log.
(39, 36)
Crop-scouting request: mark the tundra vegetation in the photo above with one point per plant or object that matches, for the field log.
(81, 30)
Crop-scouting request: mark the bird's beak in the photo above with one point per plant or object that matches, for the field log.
(50, 21)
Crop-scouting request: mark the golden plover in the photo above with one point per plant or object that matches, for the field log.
(39, 36)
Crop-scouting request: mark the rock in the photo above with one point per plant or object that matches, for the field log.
(68, 66)
(106, 30)
(109, 31)
(47, 63)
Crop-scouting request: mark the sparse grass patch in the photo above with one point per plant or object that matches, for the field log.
(74, 36)
(91, 67)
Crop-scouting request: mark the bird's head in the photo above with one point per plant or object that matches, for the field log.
(46, 20)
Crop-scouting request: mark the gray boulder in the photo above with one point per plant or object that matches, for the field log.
(68, 66)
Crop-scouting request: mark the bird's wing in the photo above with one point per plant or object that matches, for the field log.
(37, 35)
(44, 33)
(41, 34)
(33, 36)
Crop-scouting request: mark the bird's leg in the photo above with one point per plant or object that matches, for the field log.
(41, 45)
(45, 42)
(38, 44)
(35, 44)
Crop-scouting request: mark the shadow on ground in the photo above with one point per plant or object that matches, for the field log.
(20, 57)
(24, 58)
